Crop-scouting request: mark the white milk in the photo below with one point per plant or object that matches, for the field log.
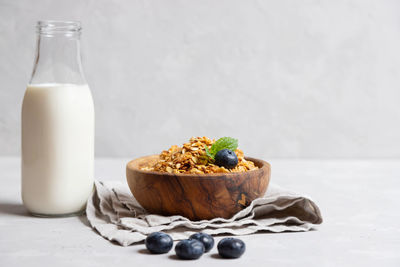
(57, 148)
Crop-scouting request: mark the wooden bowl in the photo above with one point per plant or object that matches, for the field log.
(196, 196)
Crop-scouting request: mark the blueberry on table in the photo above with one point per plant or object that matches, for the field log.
(189, 249)
(226, 158)
(207, 240)
(231, 248)
(158, 243)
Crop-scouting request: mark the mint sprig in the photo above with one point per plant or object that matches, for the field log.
(222, 143)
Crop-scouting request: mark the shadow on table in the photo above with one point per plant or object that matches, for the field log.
(214, 256)
(84, 220)
(144, 251)
(13, 209)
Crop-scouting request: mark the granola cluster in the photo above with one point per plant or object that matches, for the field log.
(191, 158)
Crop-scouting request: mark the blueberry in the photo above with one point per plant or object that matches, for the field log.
(189, 249)
(231, 248)
(226, 158)
(158, 243)
(207, 240)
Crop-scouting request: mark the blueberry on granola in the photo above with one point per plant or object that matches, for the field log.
(226, 158)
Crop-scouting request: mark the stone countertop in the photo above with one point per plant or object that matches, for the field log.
(359, 200)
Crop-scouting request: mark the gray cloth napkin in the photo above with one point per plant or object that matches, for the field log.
(117, 216)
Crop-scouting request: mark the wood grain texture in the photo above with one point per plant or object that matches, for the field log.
(196, 196)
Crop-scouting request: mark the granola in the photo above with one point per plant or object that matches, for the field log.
(191, 158)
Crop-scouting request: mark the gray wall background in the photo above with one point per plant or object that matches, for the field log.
(291, 79)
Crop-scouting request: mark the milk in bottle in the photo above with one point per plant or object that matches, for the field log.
(57, 125)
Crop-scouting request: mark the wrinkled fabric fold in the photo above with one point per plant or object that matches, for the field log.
(116, 215)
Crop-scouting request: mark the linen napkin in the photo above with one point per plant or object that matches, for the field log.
(116, 215)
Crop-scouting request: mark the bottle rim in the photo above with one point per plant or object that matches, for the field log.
(51, 27)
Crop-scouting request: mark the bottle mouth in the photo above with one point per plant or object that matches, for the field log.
(53, 27)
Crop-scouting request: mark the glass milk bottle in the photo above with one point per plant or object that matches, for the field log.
(57, 125)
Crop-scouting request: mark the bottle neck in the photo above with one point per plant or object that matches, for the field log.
(58, 57)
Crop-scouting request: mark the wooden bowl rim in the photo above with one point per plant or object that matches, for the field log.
(265, 167)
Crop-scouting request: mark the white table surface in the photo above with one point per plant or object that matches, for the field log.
(359, 200)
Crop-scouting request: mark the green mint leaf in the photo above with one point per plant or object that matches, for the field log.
(224, 143)
(208, 153)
